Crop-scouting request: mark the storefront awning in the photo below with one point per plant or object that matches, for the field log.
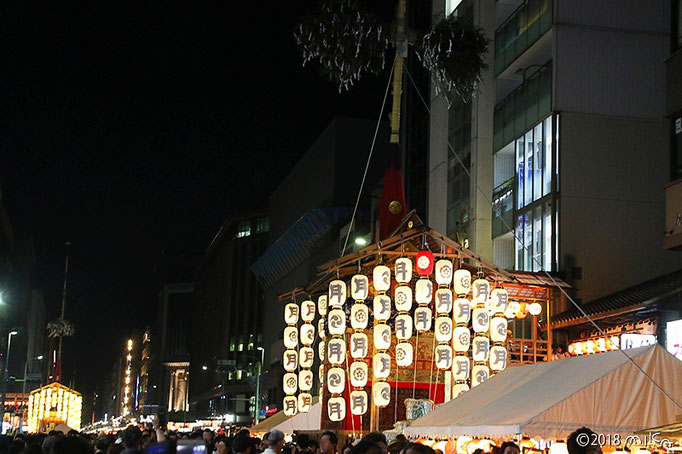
(604, 392)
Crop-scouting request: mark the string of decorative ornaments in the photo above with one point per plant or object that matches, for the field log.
(469, 329)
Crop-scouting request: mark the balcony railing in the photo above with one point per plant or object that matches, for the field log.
(527, 351)
(503, 207)
(525, 26)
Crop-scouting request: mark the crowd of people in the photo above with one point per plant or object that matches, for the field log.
(136, 440)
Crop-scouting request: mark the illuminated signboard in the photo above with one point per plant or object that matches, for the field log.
(633, 340)
(673, 340)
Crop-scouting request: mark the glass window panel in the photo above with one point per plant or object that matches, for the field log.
(547, 227)
(528, 240)
(517, 241)
(537, 178)
(537, 239)
(520, 177)
(528, 187)
(556, 237)
(556, 154)
(547, 167)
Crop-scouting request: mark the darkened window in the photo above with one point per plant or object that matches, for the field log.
(676, 147)
(677, 25)
(243, 229)
(262, 225)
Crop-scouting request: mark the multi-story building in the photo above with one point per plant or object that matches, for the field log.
(227, 326)
(567, 140)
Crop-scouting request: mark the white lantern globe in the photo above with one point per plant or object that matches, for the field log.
(336, 380)
(336, 351)
(498, 358)
(290, 383)
(305, 401)
(307, 311)
(337, 293)
(321, 349)
(423, 292)
(336, 322)
(290, 337)
(359, 402)
(382, 307)
(498, 329)
(322, 305)
(381, 278)
(403, 298)
(444, 272)
(290, 360)
(306, 357)
(443, 329)
(336, 409)
(359, 345)
(381, 365)
(458, 389)
(403, 270)
(500, 299)
(480, 320)
(359, 316)
(535, 308)
(359, 374)
(381, 394)
(359, 287)
(382, 336)
(305, 380)
(443, 354)
(403, 326)
(480, 347)
(461, 339)
(462, 311)
(443, 301)
(462, 282)
(461, 368)
(291, 314)
(422, 319)
(404, 354)
(479, 374)
(307, 334)
(290, 406)
(481, 291)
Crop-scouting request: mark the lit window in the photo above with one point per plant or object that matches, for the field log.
(262, 225)
(241, 347)
(239, 374)
(243, 229)
(231, 347)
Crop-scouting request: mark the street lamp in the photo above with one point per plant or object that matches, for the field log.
(6, 377)
(256, 410)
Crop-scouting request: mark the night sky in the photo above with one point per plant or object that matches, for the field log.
(128, 130)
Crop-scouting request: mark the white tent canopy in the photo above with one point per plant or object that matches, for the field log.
(302, 421)
(604, 392)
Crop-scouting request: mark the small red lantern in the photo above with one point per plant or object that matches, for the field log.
(425, 263)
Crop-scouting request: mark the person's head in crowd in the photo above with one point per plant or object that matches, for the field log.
(328, 442)
(70, 445)
(275, 440)
(16, 447)
(366, 447)
(509, 447)
(101, 444)
(243, 433)
(132, 437)
(583, 441)
(417, 448)
(244, 445)
(378, 439)
(222, 445)
(346, 448)
(207, 435)
(33, 449)
(303, 442)
(396, 446)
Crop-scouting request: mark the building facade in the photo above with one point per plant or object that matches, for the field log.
(227, 322)
(567, 140)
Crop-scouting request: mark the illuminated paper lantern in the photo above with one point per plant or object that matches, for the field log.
(336, 351)
(481, 291)
(359, 402)
(359, 345)
(320, 327)
(322, 305)
(336, 380)
(321, 348)
(461, 339)
(307, 311)
(307, 334)
(290, 337)
(480, 348)
(443, 329)
(381, 394)
(499, 299)
(601, 344)
(403, 326)
(336, 322)
(535, 308)
(443, 355)
(462, 311)
(462, 282)
(359, 316)
(381, 365)
(461, 367)
(459, 388)
(444, 272)
(480, 320)
(498, 358)
(291, 314)
(321, 374)
(306, 356)
(403, 298)
(382, 307)
(290, 406)
(498, 329)
(404, 354)
(479, 374)
(589, 347)
(359, 374)
(359, 287)
(336, 409)
(382, 336)
(403, 270)
(290, 360)
(512, 308)
(443, 301)
(424, 263)
(422, 319)
(423, 292)
(305, 401)
(381, 278)
(337, 293)
(305, 380)
(290, 383)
